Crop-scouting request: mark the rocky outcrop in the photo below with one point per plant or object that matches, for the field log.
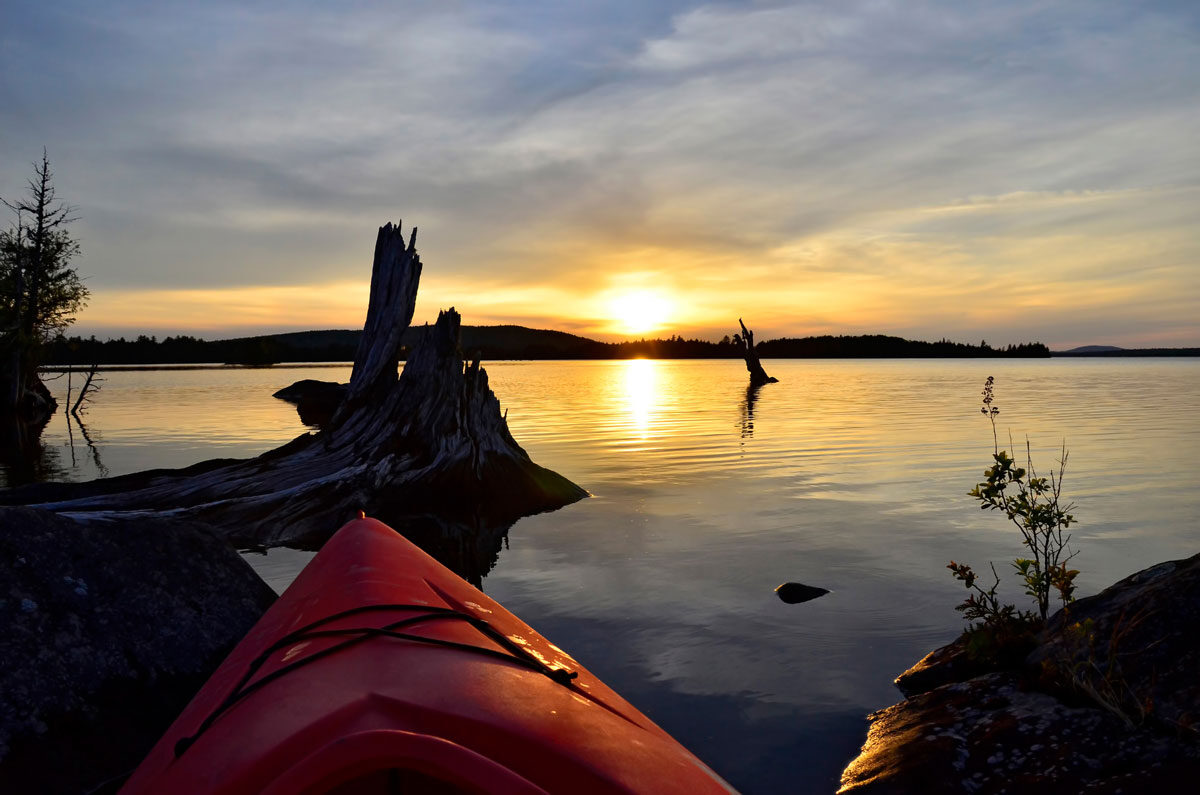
(109, 630)
(993, 734)
(1134, 648)
(1106, 702)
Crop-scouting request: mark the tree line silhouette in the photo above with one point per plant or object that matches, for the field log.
(878, 346)
(501, 342)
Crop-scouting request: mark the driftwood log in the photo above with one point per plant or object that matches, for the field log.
(758, 376)
(430, 440)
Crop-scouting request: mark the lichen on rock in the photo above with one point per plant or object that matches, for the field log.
(109, 629)
(1104, 703)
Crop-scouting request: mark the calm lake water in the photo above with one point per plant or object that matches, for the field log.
(849, 475)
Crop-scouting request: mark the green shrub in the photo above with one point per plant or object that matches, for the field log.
(1035, 506)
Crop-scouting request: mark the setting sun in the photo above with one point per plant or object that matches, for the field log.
(640, 311)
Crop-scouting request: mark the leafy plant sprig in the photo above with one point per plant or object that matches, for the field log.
(984, 605)
(1035, 505)
(990, 411)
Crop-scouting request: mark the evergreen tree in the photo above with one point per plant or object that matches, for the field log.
(39, 291)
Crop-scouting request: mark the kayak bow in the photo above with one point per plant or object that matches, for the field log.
(380, 670)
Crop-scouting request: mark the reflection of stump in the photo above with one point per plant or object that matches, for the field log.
(432, 439)
(748, 410)
(758, 376)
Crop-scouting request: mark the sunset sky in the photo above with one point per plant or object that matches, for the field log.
(1007, 171)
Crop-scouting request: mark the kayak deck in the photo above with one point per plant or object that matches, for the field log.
(379, 670)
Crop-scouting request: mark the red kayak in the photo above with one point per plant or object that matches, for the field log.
(380, 670)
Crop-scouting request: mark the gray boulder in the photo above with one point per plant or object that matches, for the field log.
(109, 629)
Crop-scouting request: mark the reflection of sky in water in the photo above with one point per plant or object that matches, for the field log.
(173, 418)
(854, 479)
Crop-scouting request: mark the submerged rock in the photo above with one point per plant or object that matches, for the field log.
(109, 631)
(796, 592)
(1106, 702)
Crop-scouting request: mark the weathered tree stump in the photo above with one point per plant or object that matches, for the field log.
(758, 376)
(431, 439)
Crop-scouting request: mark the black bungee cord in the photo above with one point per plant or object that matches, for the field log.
(516, 654)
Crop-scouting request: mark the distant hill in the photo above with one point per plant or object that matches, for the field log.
(1109, 350)
(308, 340)
(493, 343)
(1092, 349)
(334, 345)
(518, 342)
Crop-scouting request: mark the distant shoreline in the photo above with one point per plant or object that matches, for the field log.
(518, 343)
(498, 343)
(135, 368)
(306, 365)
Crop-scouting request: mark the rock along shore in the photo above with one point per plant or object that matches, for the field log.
(109, 630)
(1108, 701)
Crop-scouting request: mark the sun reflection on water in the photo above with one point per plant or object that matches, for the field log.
(641, 393)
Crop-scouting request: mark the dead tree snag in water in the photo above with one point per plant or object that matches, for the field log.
(431, 439)
(90, 385)
(758, 376)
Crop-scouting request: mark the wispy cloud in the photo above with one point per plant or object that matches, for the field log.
(907, 167)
